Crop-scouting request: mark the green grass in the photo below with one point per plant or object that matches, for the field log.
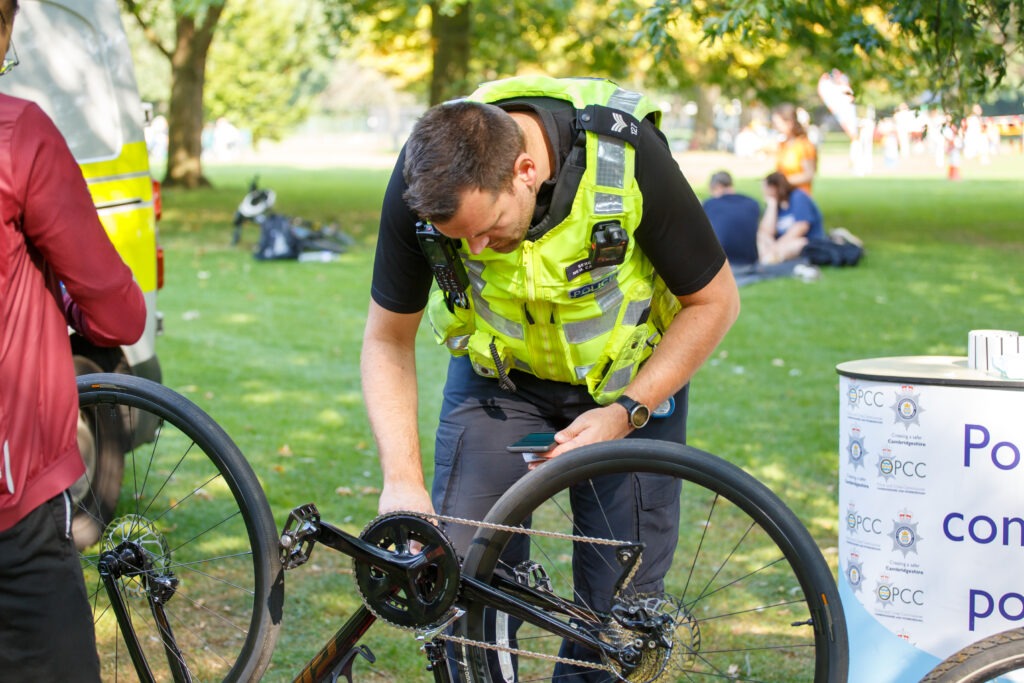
(271, 350)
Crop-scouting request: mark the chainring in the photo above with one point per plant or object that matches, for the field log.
(421, 598)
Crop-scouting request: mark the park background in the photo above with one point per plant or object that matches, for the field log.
(270, 349)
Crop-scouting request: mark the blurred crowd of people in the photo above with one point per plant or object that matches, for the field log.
(924, 132)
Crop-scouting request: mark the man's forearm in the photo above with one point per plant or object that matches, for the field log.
(390, 394)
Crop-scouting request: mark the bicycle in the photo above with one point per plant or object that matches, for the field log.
(984, 660)
(749, 595)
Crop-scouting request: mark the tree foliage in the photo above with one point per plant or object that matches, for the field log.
(254, 63)
(959, 50)
(266, 64)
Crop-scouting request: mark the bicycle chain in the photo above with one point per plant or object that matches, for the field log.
(520, 529)
(526, 653)
(441, 635)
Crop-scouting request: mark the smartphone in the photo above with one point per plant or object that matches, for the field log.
(537, 442)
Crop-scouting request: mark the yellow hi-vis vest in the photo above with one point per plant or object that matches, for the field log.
(542, 308)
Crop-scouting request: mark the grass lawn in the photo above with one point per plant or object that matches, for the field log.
(271, 350)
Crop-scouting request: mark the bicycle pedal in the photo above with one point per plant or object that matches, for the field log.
(299, 536)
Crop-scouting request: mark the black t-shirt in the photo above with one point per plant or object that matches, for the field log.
(674, 231)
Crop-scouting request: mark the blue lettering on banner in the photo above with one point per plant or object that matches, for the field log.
(591, 288)
(983, 604)
(984, 530)
(1005, 455)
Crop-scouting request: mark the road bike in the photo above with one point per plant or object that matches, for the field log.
(984, 660)
(187, 577)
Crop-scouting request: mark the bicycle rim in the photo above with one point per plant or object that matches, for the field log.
(748, 595)
(191, 502)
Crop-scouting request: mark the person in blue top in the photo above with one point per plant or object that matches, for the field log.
(790, 220)
(734, 218)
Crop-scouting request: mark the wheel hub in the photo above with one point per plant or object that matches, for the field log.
(148, 540)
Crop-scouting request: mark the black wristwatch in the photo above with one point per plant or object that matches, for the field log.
(637, 412)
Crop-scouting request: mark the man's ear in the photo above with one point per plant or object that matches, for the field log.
(525, 169)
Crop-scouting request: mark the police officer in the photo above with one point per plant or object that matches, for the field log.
(581, 286)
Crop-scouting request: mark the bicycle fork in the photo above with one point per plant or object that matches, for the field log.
(128, 560)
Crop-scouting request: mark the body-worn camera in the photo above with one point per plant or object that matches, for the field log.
(608, 242)
(449, 270)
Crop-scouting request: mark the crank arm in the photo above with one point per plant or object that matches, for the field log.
(361, 551)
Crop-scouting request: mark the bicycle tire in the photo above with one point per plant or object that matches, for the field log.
(707, 641)
(984, 660)
(191, 500)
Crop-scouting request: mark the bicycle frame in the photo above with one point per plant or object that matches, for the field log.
(335, 659)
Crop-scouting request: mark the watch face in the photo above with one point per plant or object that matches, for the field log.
(640, 415)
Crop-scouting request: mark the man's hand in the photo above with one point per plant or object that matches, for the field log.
(594, 426)
(405, 498)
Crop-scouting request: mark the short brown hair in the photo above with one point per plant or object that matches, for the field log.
(455, 147)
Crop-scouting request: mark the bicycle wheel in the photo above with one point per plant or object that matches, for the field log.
(747, 594)
(194, 514)
(984, 660)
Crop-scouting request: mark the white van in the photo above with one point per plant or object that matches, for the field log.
(76, 64)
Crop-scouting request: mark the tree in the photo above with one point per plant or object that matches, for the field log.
(194, 23)
(957, 49)
(266, 64)
(257, 64)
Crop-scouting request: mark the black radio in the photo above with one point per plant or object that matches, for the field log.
(444, 259)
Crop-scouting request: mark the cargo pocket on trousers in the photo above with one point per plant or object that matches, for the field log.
(447, 448)
(658, 522)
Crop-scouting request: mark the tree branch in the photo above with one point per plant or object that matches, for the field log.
(147, 30)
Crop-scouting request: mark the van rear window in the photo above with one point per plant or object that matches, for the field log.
(67, 69)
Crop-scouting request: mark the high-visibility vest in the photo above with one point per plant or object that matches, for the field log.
(543, 308)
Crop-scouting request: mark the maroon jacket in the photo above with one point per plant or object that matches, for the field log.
(49, 234)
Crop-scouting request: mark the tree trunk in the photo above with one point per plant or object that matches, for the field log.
(185, 111)
(450, 47)
(704, 133)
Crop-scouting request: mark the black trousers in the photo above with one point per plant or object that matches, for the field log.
(46, 630)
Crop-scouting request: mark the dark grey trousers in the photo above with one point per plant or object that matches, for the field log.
(472, 469)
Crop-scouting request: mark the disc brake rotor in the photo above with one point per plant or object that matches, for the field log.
(142, 533)
(422, 597)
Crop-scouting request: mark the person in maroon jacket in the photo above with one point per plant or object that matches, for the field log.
(57, 268)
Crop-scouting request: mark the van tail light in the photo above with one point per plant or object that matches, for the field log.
(159, 267)
(158, 200)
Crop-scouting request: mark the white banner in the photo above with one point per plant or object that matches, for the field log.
(931, 541)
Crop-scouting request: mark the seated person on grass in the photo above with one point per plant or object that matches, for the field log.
(790, 220)
(734, 218)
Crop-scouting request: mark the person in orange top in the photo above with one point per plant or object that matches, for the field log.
(797, 158)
